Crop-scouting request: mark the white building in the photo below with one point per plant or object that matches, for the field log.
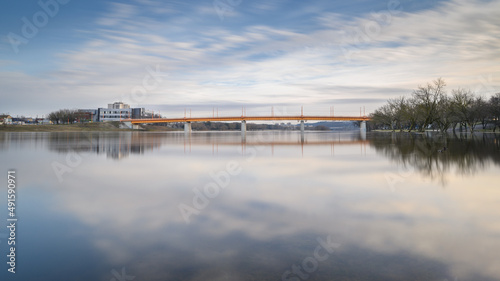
(118, 111)
(118, 105)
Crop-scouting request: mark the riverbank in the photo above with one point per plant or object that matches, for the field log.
(435, 131)
(111, 126)
(80, 127)
(117, 126)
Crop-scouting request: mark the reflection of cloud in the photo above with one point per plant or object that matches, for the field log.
(270, 215)
(132, 211)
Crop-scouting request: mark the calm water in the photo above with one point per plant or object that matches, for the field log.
(213, 206)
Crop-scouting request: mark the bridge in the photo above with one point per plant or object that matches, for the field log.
(243, 119)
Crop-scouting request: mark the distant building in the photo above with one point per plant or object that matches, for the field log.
(5, 119)
(116, 112)
(118, 105)
(18, 121)
(88, 115)
(45, 121)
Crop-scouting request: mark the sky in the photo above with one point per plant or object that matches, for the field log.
(169, 56)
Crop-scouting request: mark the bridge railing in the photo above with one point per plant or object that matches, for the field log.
(259, 111)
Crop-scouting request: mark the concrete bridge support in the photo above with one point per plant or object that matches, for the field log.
(362, 126)
(362, 130)
(128, 124)
(131, 126)
(243, 126)
(187, 127)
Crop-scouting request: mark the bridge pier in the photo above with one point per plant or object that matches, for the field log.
(187, 127)
(362, 130)
(362, 126)
(131, 126)
(243, 127)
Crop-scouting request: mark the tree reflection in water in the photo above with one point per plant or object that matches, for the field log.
(435, 155)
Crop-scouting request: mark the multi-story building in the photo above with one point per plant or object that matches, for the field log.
(114, 112)
(118, 111)
(118, 105)
(86, 115)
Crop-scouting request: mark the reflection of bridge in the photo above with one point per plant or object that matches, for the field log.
(259, 141)
(302, 118)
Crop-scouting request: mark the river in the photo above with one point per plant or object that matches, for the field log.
(272, 205)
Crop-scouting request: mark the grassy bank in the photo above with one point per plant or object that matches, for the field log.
(111, 126)
(80, 127)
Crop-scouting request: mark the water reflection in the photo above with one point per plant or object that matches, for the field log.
(436, 155)
(120, 145)
(270, 216)
(465, 154)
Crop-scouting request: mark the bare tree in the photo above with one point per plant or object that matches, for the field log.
(444, 114)
(466, 108)
(383, 116)
(430, 105)
(427, 99)
(481, 110)
(494, 109)
(63, 116)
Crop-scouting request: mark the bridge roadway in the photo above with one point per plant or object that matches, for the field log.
(243, 119)
(247, 118)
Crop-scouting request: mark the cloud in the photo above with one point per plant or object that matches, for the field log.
(208, 60)
(120, 12)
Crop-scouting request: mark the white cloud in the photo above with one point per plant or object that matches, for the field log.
(120, 12)
(457, 41)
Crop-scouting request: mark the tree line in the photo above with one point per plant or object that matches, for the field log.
(430, 107)
(67, 116)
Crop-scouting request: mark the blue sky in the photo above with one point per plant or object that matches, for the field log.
(171, 55)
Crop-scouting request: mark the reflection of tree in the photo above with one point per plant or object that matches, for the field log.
(466, 153)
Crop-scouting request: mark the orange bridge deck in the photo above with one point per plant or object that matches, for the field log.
(247, 118)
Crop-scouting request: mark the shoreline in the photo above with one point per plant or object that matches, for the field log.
(80, 127)
(434, 131)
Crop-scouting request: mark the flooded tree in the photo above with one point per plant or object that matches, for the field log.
(427, 99)
(429, 106)
(494, 110)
